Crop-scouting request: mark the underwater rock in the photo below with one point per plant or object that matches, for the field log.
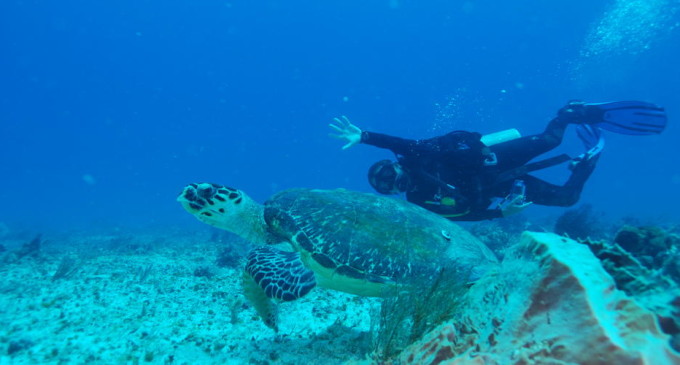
(30, 248)
(550, 302)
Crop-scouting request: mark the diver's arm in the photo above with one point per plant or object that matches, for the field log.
(436, 147)
(460, 213)
(353, 135)
(401, 146)
(511, 205)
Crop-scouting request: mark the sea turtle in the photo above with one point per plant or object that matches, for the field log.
(349, 241)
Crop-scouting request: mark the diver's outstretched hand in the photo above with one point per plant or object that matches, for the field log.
(514, 205)
(346, 130)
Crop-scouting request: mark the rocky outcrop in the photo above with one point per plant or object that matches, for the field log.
(551, 302)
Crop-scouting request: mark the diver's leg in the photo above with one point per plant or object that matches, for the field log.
(545, 193)
(518, 152)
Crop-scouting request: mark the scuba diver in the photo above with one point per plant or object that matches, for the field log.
(466, 176)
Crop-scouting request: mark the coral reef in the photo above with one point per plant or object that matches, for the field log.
(653, 246)
(499, 234)
(550, 302)
(644, 263)
(581, 223)
(493, 236)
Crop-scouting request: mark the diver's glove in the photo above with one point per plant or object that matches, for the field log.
(346, 130)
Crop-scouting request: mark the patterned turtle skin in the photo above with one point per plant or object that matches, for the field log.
(344, 240)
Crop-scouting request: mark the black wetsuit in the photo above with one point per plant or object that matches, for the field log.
(450, 177)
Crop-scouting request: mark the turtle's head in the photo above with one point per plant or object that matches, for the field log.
(223, 207)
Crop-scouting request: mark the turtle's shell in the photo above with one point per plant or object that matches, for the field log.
(371, 238)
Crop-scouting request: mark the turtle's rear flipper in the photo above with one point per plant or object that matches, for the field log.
(275, 274)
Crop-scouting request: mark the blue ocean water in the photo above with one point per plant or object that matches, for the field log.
(107, 109)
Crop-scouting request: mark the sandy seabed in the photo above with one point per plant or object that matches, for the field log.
(160, 299)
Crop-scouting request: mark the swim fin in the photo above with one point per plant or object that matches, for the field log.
(592, 139)
(627, 117)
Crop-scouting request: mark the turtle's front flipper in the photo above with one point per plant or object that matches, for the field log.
(275, 274)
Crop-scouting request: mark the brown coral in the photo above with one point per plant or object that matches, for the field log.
(551, 303)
